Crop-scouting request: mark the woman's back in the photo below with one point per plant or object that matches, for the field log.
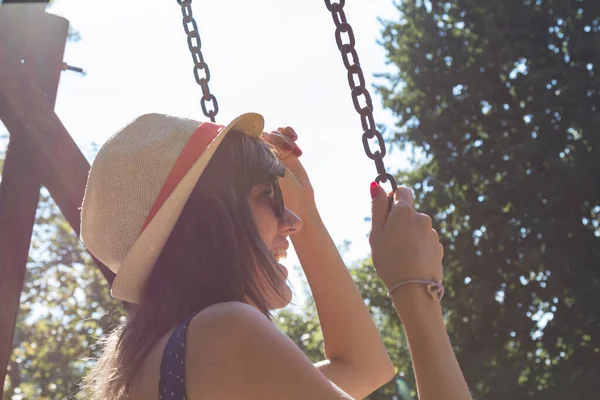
(173, 367)
(145, 384)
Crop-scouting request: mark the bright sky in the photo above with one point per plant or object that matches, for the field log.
(275, 57)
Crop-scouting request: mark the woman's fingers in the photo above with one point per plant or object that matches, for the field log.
(379, 210)
(289, 132)
(424, 221)
(283, 142)
(405, 246)
(404, 196)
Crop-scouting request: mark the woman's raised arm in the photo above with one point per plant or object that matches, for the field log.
(405, 248)
(357, 360)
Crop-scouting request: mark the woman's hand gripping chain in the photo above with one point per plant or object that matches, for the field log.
(404, 245)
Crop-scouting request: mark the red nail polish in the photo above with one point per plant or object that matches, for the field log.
(287, 147)
(374, 189)
(292, 132)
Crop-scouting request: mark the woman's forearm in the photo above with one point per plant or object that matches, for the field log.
(349, 333)
(437, 372)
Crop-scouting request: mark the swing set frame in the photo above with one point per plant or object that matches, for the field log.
(42, 152)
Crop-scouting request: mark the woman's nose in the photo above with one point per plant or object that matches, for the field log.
(291, 223)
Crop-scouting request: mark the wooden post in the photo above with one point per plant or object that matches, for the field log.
(19, 193)
(36, 40)
(52, 152)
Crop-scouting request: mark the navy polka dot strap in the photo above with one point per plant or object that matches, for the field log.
(171, 384)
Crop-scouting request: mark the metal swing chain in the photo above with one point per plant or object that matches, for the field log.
(350, 59)
(194, 43)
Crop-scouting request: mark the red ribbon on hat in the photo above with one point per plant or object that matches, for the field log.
(204, 134)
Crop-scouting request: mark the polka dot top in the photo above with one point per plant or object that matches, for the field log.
(171, 383)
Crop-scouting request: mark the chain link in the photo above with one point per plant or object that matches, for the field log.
(209, 104)
(345, 40)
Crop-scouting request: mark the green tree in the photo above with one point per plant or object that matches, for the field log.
(500, 98)
(65, 306)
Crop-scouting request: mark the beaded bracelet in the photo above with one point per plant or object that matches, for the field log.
(435, 289)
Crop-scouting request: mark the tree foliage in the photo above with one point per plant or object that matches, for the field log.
(65, 305)
(501, 98)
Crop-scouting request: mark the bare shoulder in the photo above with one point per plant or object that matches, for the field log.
(224, 315)
(234, 351)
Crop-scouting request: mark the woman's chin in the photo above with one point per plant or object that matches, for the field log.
(283, 269)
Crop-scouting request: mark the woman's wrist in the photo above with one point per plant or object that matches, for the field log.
(310, 216)
(414, 304)
(434, 288)
(437, 372)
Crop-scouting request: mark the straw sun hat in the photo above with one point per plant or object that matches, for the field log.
(137, 187)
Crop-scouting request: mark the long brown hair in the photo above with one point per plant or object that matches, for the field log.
(211, 257)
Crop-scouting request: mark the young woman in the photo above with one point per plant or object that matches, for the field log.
(190, 217)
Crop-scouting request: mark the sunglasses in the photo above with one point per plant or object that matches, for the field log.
(278, 206)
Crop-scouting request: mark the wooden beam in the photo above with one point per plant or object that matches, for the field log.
(26, 110)
(54, 154)
(36, 41)
(19, 194)
(32, 44)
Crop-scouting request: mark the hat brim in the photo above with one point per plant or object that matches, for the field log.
(133, 274)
